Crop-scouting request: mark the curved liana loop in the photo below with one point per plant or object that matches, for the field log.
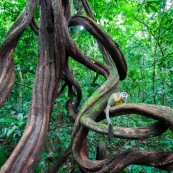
(117, 162)
(88, 11)
(111, 46)
(34, 26)
(7, 75)
(72, 84)
(90, 63)
(161, 159)
(94, 106)
(90, 112)
(55, 45)
(161, 113)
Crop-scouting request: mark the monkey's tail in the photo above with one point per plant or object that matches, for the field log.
(110, 131)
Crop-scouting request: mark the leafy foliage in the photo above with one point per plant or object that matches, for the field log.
(143, 29)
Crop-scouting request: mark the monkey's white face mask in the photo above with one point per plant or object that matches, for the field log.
(124, 95)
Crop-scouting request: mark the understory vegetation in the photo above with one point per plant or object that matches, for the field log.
(144, 31)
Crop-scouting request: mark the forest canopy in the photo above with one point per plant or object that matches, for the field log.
(59, 63)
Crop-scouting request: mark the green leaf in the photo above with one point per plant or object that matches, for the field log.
(13, 112)
(38, 167)
(2, 156)
(21, 124)
(153, 8)
(11, 131)
(20, 117)
(8, 120)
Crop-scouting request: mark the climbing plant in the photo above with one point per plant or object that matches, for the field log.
(57, 25)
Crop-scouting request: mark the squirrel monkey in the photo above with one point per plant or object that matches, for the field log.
(114, 100)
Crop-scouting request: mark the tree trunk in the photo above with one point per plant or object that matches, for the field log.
(55, 47)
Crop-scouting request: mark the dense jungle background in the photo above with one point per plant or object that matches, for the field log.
(144, 31)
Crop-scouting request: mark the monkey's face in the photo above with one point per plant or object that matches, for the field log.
(124, 96)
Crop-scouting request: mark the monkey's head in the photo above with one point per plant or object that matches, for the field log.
(124, 96)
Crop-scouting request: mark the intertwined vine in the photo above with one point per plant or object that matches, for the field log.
(55, 47)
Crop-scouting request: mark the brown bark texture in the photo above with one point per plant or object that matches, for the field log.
(55, 47)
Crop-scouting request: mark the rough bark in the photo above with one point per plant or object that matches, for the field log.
(55, 47)
(101, 151)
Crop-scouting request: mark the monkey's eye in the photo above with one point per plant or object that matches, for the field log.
(124, 96)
